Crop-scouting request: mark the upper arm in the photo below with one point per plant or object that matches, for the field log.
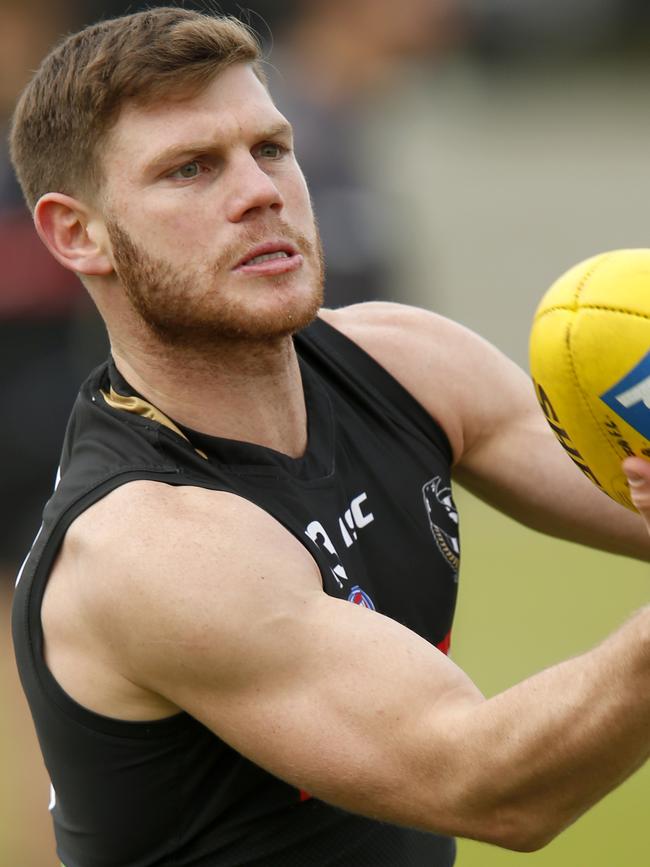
(227, 619)
(504, 450)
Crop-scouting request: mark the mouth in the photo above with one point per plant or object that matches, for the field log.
(274, 257)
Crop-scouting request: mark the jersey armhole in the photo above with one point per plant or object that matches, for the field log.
(28, 630)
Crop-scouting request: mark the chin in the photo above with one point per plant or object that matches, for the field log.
(277, 317)
(198, 308)
(271, 316)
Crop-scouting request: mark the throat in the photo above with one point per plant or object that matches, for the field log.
(260, 404)
(273, 425)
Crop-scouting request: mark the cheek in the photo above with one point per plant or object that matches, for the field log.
(299, 199)
(146, 209)
(296, 184)
(164, 229)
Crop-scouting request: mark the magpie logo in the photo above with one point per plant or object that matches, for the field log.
(630, 397)
(435, 494)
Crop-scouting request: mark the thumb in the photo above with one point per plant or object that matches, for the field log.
(637, 471)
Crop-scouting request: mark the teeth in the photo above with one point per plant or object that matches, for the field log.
(266, 256)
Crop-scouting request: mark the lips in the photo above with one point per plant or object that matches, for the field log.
(271, 258)
(268, 251)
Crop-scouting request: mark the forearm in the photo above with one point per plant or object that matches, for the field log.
(529, 761)
(522, 471)
(581, 514)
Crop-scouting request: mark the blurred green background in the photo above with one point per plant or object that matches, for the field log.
(526, 602)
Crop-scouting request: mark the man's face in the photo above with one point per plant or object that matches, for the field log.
(208, 216)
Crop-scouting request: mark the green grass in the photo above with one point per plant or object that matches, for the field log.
(527, 602)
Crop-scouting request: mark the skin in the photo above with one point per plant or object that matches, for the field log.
(420, 746)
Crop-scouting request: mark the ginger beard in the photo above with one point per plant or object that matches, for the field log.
(187, 308)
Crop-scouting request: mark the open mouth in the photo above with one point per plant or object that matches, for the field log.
(270, 258)
(267, 257)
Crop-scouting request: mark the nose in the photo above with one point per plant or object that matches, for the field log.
(252, 191)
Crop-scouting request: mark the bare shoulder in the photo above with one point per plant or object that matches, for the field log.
(152, 567)
(411, 342)
(139, 511)
(151, 528)
(156, 559)
(454, 373)
(374, 324)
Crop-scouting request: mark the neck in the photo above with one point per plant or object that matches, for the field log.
(243, 390)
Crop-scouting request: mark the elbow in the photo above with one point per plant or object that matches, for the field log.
(496, 807)
(526, 839)
(518, 827)
(506, 820)
(518, 831)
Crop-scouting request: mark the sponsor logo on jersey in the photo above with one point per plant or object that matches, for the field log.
(435, 494)
(355, 518)
(630, 397)
(360, 597)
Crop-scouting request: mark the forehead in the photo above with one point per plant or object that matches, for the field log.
(235, 103)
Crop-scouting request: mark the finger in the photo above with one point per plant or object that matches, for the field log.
(637, 471)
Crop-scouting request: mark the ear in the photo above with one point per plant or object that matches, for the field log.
(65, 226)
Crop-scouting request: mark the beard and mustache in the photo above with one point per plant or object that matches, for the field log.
(187, 308)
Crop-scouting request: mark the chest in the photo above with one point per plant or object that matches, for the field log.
(382, 527)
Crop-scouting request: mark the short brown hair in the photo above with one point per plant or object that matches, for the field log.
(75, 97)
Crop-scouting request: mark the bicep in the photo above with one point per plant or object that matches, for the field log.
(510, 457)
(335, 699)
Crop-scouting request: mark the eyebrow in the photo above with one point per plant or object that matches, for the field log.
(170, 155)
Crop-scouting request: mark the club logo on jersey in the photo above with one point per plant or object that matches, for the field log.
(359, 597)
(440, 508)
(630, 397)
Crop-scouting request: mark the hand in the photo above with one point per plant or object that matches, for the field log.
(637, 471)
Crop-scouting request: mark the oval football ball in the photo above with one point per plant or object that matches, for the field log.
(590, 364)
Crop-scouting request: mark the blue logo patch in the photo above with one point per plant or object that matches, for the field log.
(630, 397)
(360, 597)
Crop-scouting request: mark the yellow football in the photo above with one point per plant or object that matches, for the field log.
(590, 363)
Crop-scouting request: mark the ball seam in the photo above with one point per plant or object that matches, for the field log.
(602, 307)
(578, 289)
(584, 398)
(586, 277)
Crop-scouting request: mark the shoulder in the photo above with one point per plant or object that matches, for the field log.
(153, 573)
(151, 554)
(449, 369)
(404, 338)
(384, 320)
(140, 508)
(173, 521)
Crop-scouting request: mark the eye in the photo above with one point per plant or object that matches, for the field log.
(187, 172)
(270, 150)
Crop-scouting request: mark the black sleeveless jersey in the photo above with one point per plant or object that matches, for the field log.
(370, 499)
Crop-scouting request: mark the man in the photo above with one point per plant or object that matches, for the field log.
(241, 471)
